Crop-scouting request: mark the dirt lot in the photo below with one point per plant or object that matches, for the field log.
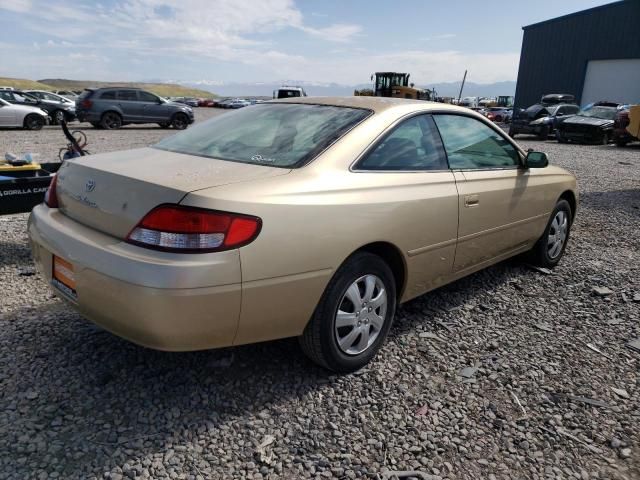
(553, 391)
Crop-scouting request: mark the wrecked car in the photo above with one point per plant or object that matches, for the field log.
(593, 124)
(626, 126)
(541, 119)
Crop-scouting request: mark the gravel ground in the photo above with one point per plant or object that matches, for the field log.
(507, 374)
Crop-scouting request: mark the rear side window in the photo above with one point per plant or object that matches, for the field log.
(108, 95)
(288, 93)
(470, 144)
(412, 145)
(127, 95)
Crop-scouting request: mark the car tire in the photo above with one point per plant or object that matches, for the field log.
(34, 122)
(561, 138)
(111, 121)
(164, 125)
(180, 121)
(57, 117)
(621, 143)
(550, 247)
(606, 138)
(365, 278)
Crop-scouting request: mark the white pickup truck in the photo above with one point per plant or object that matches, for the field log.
(289, 92)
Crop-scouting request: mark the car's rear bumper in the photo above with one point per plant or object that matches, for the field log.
(87, 116)
(156, 299)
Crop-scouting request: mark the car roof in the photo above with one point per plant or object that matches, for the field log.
(112, 88)
(377, 104)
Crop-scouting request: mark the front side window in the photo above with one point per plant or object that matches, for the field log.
(147, 97)
(127, 95)
(412, 145)
(284, 135)
(470, 144)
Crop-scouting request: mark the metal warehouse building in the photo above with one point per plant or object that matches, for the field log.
(593, 54)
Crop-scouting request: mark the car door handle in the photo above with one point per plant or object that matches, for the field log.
(471, 200)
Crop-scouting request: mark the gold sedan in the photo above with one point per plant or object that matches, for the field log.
(310, 217)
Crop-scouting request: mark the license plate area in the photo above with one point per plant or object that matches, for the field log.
(63, 277)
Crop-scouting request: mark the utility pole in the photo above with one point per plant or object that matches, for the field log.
(462, 86)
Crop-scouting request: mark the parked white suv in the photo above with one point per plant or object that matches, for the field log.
(23, 116)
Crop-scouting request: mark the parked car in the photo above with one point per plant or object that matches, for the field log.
(623, 126)
(239, 103)
(55, 109)
(22, 116)
(540, 119)
(205, 102)
(59, 108)
(498, 114)
(113, 107)
(309, 217)
(67, 94)
(224, 103)
(192, 102)
(592, 124)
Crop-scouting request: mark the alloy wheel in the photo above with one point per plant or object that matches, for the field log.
(361, 315)
(557, 234)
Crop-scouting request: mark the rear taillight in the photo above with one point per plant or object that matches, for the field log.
(51, 197)
(86, 103)
(176, 228)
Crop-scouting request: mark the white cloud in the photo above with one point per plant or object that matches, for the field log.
(20, 6)
(136, 36)
(336, 33)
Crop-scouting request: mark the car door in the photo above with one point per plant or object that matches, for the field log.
(409, 164)
(8, 114)
(128, 102)
(152, 108)
(501, 205)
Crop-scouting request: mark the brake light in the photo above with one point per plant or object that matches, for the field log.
(176, 228)
(86, 103)
(51, 197)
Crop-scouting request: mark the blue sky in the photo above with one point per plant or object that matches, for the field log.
(269, 40)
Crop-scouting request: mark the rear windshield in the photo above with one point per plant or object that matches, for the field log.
(85, 94)
(278, 135)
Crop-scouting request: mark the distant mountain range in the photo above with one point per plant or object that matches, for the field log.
(239, 89)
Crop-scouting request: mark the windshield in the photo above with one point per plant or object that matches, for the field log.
(607, 113)
(278, 135)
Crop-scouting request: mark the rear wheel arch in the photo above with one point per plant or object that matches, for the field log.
(393, 257)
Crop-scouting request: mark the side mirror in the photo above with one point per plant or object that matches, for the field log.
(536, 159)
(559, 114)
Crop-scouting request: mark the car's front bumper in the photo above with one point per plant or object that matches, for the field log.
(156, 299)
(591, 135)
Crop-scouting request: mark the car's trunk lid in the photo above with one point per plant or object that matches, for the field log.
(112, 192)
